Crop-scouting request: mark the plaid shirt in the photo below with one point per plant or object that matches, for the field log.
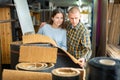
(78, 41)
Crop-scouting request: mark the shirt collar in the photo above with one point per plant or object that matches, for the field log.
(76, 27)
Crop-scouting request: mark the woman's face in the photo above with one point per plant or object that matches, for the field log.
(57, 19)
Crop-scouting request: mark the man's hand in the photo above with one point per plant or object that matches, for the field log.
(42, 24)
(82, 62)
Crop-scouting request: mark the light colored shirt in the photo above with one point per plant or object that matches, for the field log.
(57, 34)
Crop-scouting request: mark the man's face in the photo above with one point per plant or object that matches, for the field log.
(74, 18)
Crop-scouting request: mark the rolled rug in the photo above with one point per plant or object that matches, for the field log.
(48, 68)
(30, 66)
(36, 67)
(104, 68)
(65, 73)
(25, 75)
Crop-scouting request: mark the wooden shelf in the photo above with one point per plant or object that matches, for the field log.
(6, 21)
(7, 5)
(36, 19)
(5, 34)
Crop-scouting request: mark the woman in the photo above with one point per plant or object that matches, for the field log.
(55, 28)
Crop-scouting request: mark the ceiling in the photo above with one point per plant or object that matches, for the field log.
(65, 2)
(62, 3)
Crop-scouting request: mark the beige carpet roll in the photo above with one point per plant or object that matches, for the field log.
(36, 54)
(25, 75)
(37, 38)
(65, 73)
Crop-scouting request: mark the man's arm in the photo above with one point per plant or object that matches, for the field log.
(86, 42)
(42, 24)
(86, 51)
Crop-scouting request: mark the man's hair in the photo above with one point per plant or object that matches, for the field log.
(74, 9)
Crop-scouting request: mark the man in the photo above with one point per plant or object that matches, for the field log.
(78, 37)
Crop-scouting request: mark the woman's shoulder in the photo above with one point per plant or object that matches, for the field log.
(46, 26)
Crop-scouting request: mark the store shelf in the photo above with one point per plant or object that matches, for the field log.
(5, 21)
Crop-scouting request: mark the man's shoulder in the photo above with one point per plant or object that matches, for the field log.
(67, 24)
(83, 26)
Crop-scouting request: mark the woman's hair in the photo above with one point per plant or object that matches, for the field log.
(56, 11)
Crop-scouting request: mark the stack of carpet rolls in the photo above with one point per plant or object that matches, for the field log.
(38, 53)
(39, 50)
(36, 58)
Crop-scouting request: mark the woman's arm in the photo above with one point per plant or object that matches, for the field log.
(64, 41)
